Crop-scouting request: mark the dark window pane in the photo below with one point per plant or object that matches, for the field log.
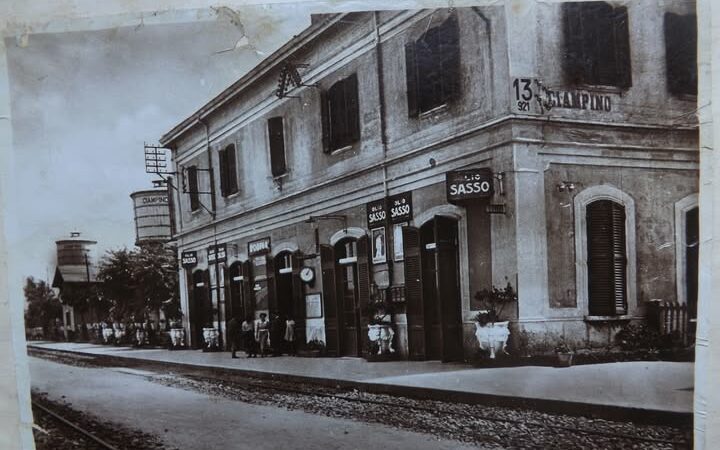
(681, 53)
(193, 188)
(228, 171)
(607, 260)
(341, 114)
(276, 137)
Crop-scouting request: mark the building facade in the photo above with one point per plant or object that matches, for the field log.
(422, 156)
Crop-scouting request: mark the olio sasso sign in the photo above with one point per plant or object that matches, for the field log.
(468, 184)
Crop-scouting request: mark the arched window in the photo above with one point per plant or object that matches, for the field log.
(605, 253)
(606, 258)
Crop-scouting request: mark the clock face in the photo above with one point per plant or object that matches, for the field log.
(307, 274)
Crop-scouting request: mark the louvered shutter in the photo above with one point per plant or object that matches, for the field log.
(231, 186)
(352, 106)
(276, 137)
(622, 47)
(574, 65)
(222, 159)
(325, 121)
(449, 37)
(681, 53)
(364, 275)
(415, 307)
(193, 188)
(411, 74)
(607, 261)
(248, 292)
(329, 287)
(271, 279)
(229, 297)
(207, 299)
(298, 299)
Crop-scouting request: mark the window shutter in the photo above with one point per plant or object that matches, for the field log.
(298, 300)
(276, 135)
(573, 64)
(193, 188)
(248, 293)
(330, 310)
(681, 53)
(271, 279)
(607, 262)
(325, 119)
(622, 47)
(450, 57)
(222, 159)
(411, 73)
(352, 108)
(415, 306)
(230, 159)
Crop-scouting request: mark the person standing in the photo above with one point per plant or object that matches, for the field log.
(248, 332)
(262, 333)
(233, 332)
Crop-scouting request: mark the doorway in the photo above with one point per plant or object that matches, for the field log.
(236, 282)
(348, 298)
(284, 284)
(433, 290)
(201, 310)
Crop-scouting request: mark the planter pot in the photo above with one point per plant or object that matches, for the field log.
(140, 336)
(211, 339)
(108, 335)
(564, 359)
(177, 338)
(382, 335)
(492, 337)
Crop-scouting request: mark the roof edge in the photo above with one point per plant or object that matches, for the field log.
(290, 47)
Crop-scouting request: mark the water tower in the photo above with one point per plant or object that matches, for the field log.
(152, 216)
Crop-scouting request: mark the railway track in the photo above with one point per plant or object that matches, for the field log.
(75, 427)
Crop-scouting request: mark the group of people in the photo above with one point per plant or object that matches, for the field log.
(264, 336)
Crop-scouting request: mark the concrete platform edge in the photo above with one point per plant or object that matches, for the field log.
(609, 412)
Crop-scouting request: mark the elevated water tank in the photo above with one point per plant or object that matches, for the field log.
(152, 216)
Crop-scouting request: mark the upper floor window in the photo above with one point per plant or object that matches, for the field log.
(432, 66)
(341, 114)
(606, 258)
(276, 138)
(597, 49)
(192, 188)
(681, 53)
(228, 171)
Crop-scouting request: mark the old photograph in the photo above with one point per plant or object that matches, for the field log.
(348, 226)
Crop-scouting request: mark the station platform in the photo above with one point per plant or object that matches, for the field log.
(649, 391)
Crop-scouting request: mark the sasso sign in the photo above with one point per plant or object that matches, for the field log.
(468, 184)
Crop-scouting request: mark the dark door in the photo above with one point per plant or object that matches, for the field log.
(447, 275)
(330, 307)
(414, 293)
(201, 311)
(298, 311)
(431, 303)
(346, 257)
(692, 243)
(235, 290)
(246, 288)
(284, 284)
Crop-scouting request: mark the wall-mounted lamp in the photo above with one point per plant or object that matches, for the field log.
(500, 176)
(566, 186)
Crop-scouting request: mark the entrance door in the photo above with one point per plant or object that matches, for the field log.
(433, 290)
(692, 247)
(346, 257)
(236, 291)
(284, 284)
(201, 312)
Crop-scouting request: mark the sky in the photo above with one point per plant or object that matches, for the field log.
(83, 103)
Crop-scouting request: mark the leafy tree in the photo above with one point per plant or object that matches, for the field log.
(118, 283)
(43, 305)
(156, 272)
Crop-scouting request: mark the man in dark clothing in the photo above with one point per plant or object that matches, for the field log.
(233, 332)
(277, 333)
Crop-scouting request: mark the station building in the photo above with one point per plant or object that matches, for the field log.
(421, 156)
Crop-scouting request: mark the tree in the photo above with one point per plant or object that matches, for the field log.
(43, 305)
(137, 282)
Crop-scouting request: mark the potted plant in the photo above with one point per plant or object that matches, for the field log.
(177, 335)
(564, 354)
(380, 330)
(492, 333)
